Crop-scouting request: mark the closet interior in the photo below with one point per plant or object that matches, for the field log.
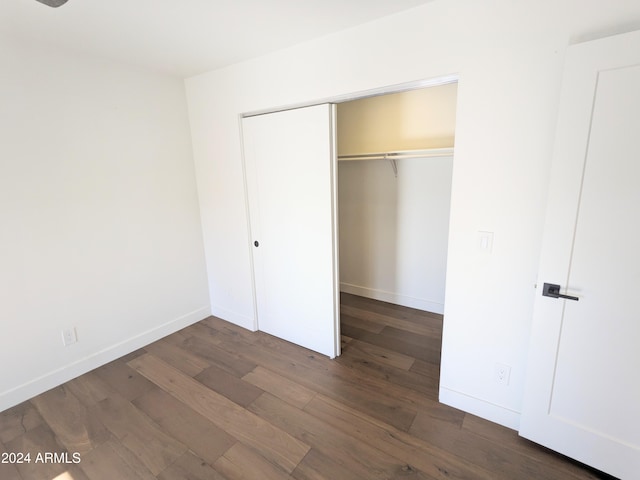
(395, 162)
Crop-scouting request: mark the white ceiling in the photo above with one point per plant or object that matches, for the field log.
(185, 37)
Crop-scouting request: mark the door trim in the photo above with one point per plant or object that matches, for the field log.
(358, 95)
(336, 229)
(252, 271)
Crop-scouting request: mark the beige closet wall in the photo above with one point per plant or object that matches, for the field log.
(424, 118)
(394, 230)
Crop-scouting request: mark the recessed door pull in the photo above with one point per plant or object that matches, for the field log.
(552, 290)
(256, 243)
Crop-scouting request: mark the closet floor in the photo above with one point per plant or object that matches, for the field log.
(214, 401)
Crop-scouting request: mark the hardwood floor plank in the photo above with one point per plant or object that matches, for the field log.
(317, 466)
(39, 441)
(438, 426)
(219, 325)
(70, 420)
(235, 389)
(357, 456)
(89, 388)
(426, 353)
(279, 386)
(434, 461)
(178, 338)
(505, 464)
(322, 375)
(241, 462)
(200, 330)
(203, 347)
(432, 342)
(273, 443)
(427, 369)
(137, 432)
(178, 357)
(107, 462)
(383, 355)
(187, 426)
(124, 380)
(18, 420)
(390, 309)
(8, 471)
(427, 328)
(511, 441)
(361, 323)
(191, 467)
(398, 312)
(356, 359)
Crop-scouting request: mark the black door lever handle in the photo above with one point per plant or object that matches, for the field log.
(552, 290)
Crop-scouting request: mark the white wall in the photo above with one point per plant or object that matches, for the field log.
(394, 231)
(508, 56)
(99, 218)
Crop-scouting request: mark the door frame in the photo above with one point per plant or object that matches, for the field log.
(358, 95)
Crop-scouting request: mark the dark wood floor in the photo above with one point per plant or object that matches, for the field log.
(215, 402)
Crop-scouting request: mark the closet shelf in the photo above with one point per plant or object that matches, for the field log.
(400, 154)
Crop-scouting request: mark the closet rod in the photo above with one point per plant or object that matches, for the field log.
(398, 155)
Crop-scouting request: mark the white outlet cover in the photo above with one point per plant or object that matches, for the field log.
(69, 336)
(502, 373)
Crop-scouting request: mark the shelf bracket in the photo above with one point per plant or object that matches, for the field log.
(394, 165)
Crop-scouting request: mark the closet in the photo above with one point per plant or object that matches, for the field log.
(374, 223)
(395, 161)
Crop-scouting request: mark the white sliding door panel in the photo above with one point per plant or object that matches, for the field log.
(290, 168)
(583, 392)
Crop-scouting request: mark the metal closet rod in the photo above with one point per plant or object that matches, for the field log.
(400, 154)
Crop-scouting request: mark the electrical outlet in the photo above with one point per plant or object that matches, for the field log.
(69, 336)
(502, 373)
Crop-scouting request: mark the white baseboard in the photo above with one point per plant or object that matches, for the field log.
(481, 408)
(395, 298)
(61, 375)
(241, 320)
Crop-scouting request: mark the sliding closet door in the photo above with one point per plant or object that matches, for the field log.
(290, 168)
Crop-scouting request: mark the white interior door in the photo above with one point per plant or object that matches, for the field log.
(583, 386)
(290, 167)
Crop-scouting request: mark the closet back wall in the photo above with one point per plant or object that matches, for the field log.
(394, 231)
